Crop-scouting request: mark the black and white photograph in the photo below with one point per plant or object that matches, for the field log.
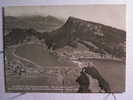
(65, 48)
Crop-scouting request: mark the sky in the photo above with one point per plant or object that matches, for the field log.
(112, 15)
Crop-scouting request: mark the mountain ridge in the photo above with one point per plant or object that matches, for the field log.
(75, 29)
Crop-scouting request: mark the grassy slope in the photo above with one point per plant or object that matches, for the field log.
(39, 54)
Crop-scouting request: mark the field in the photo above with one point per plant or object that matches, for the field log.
(42, 69)
(51, 74)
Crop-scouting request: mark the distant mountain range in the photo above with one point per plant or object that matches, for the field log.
(96, 37)
(39, 23)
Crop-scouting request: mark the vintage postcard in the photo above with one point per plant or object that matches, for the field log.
(65, 49)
